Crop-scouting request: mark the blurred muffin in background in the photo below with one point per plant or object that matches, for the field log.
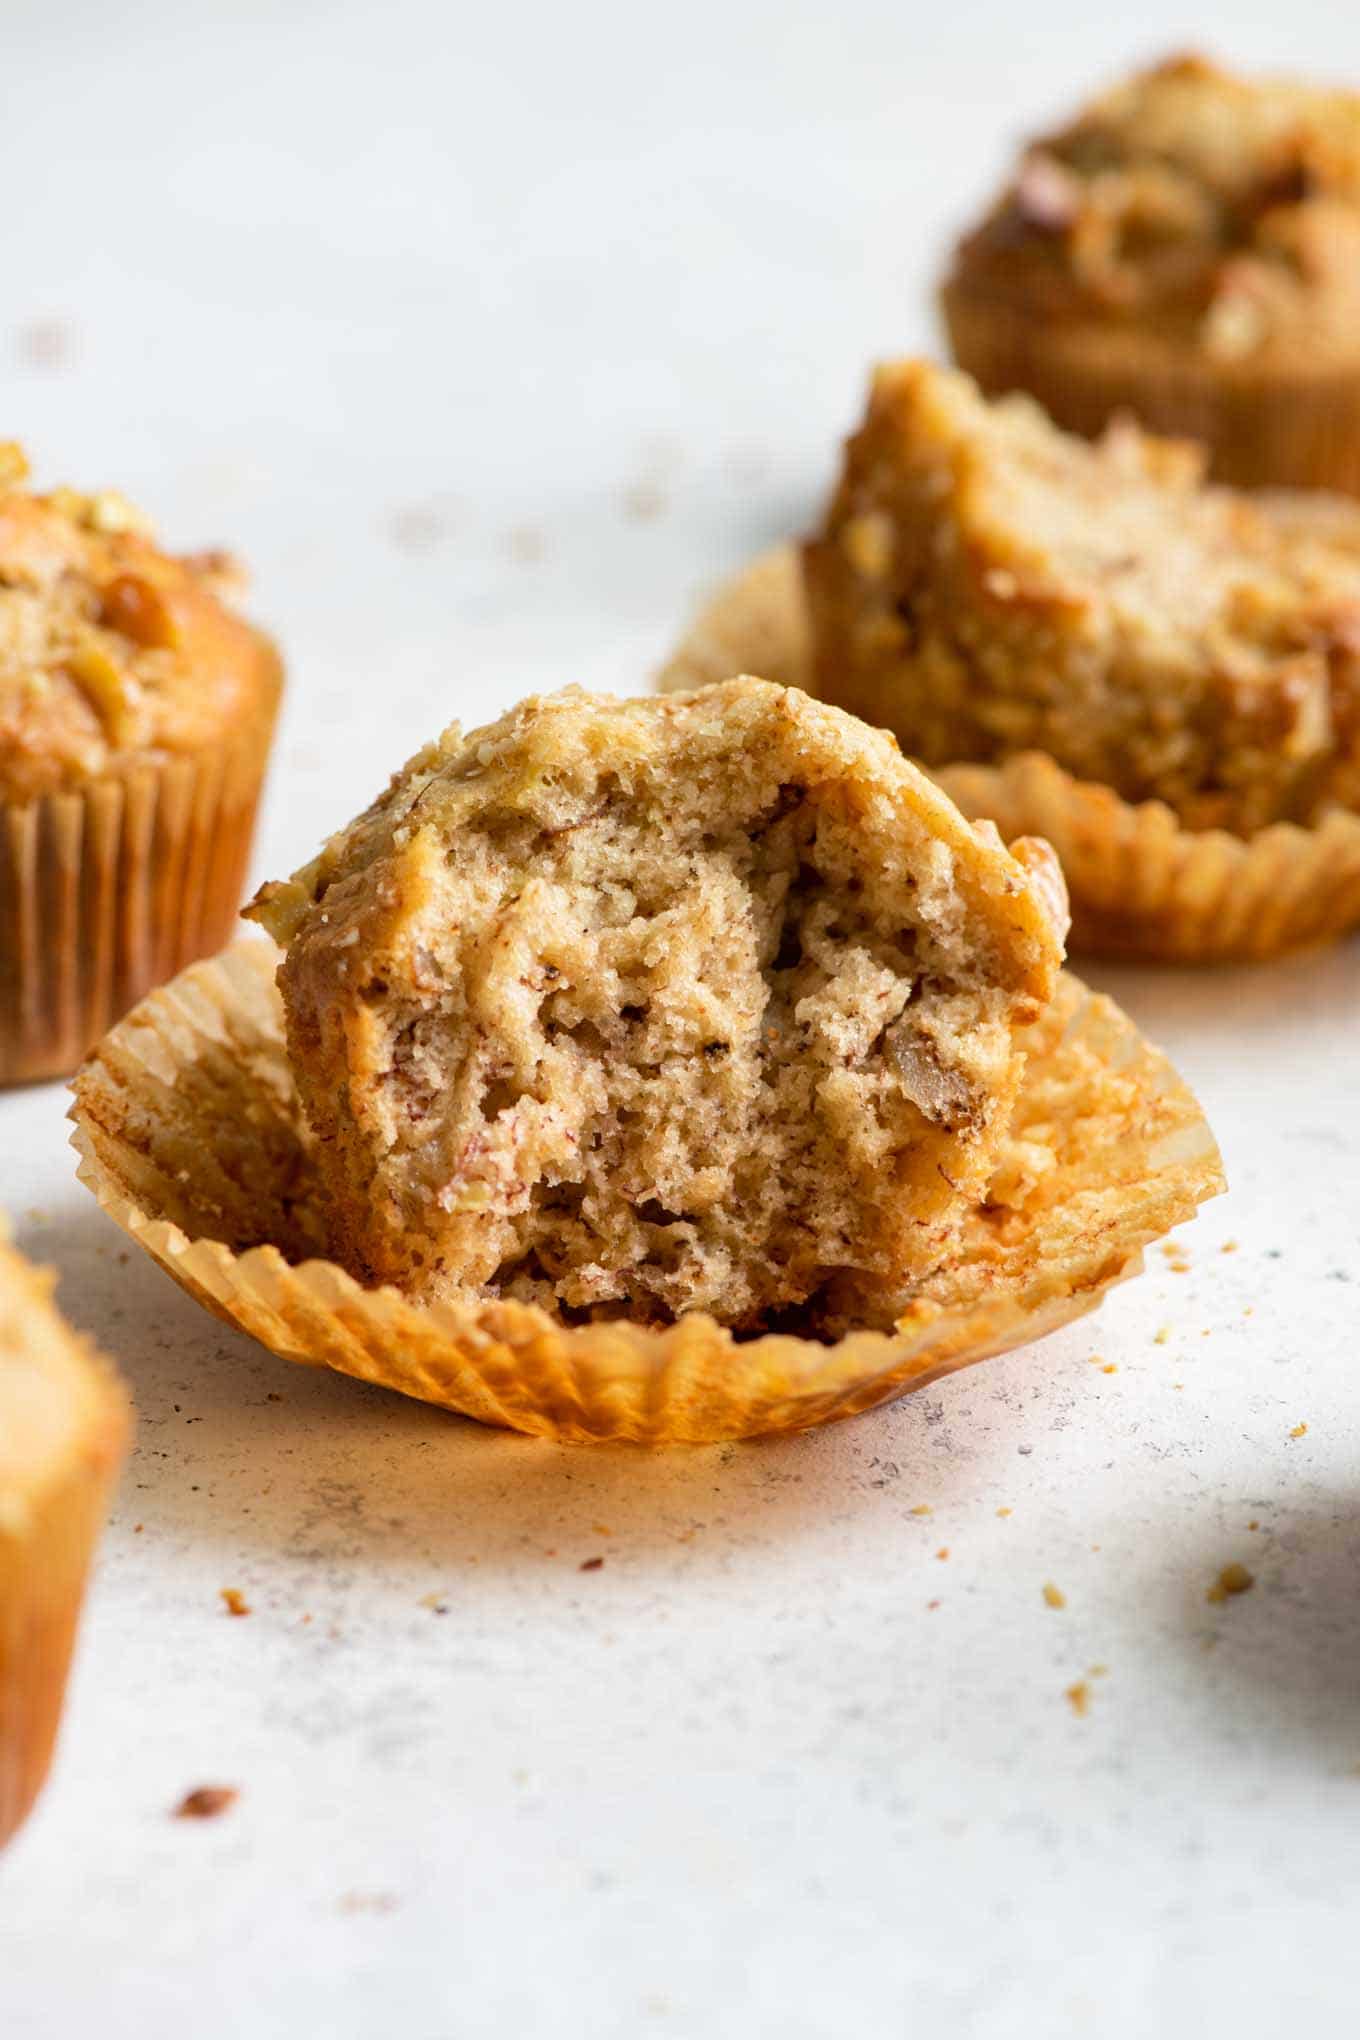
(63, 1432)
(136, 712)
(1187, 249)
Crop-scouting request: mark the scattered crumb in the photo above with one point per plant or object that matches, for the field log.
(932, 1604)
(436, 1604)
(1161, 1335)
(368, 1902)
(1228, 1247)
(644, 501)
(1254, 1524)
(1079, 1698)
(1003, 1512)
(1054, 1597)
(417, 527)
(526, 545)
(1097, 1359)
(1110, 1367)
(137, 1529)
(236, 1601)
(943, 1551)
(1234, 1579)
(1178, 1384)
(590, 1565)
(1250, 1310)
(205, 1802)
(48, 343)
(1299, 1431)
(921, 1509)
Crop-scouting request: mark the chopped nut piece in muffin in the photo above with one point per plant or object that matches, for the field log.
(986, 585)
(633, 1008)
(1188, 248)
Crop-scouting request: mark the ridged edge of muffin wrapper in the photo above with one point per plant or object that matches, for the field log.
(199, 1068)
(47, 1547)
(111, 888)
(1141, 885)
(1264, 429)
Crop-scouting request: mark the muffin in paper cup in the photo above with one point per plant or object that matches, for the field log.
(136, 713)
(1141, 884)
(1186, 249)
(190, 1136)
(63, 1431)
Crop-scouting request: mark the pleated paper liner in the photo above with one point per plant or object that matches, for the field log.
(1298, 429)
(109, 890)
(63, 1432)
(189, 1135)
(1141, 884)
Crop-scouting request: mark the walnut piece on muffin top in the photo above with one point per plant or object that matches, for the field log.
(1221, 214)
(985, 584)
(112, 653)
(632, 1008)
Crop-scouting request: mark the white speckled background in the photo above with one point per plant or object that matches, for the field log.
(491, 337)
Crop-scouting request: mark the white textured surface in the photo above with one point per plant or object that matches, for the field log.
(489, 338)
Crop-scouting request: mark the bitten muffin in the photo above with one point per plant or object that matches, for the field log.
(639, 1008)
(136, 711)
(63, 1430)
(1188, 249)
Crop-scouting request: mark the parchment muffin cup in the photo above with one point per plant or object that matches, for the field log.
(1141, 884)
(190, 1136)
(1295, 427)
(110, 889)
(50, 1522)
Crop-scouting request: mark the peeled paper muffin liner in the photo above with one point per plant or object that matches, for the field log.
(110, 889)
(1263, 429)
(48, 1534)
(1141, 884)
(189, 1134)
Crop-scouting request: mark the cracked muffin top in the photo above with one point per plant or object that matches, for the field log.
(112, 653)
(985, 584)
(1219, 213)
(632, 1008)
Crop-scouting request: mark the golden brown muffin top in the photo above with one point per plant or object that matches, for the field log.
(986, 584)
(1222, 212)
(112, 653)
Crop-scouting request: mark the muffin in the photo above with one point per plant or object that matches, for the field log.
(63, 1431)
(136, 711)
(634, 1008)
(660, 1070)
(1088, 643)
(1187, 249)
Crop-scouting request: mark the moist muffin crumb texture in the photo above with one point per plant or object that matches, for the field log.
(638, 1008)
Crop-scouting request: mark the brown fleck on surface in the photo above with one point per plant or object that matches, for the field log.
(47, 343)
(1234, 1579)
(1098, 1672)
(1229, 1247)
(235, 1601)
(1003, 1512)
(1110, 1367)
(206, 1802)
(921, 1509)
(1299, 1431)
(590, 1565)
(1079, 1698)
(943, 1551)
(1054, 1597)
(1161, 1335)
